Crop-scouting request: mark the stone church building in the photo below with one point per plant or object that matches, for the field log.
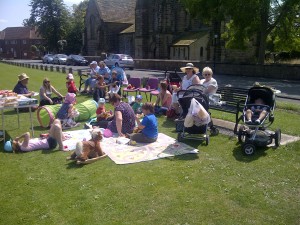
(151, 29)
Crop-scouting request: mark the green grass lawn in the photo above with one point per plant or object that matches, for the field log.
(217, 186)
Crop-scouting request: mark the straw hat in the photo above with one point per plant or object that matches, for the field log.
(191, 66)
(23, 76)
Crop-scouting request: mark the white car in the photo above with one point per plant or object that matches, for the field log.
(59, 59)
(120, 60)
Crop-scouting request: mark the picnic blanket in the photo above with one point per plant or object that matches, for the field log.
(165, 146)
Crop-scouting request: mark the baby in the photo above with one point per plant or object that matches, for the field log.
(258, 110)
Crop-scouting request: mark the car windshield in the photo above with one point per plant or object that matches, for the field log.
(61, 56)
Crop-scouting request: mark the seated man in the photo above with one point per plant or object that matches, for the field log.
(258, 110)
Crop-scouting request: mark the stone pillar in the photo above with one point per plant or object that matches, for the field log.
(79, 72)
(63, 69)
(32, 66)
(51, 68)
(36, 66)
(57, 68)
(70, 70)
(46, 68)
(41, 67)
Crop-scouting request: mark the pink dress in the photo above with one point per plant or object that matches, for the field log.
(35, 144)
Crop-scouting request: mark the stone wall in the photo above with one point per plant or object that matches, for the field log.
(279, 71)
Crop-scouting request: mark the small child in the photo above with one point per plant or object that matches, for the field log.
(137, 106)
(100, 88)
(70, 84)
(148, 126)
(67, 112)
(115, 84)
(258, 110)
(102, 116)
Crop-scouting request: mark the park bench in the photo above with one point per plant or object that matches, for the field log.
(83, 75)
(233, 100)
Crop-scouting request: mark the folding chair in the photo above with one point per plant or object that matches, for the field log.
(152, 85)
(135, 82)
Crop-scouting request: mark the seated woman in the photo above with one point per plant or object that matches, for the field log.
(164, 99)
(209, 82)
(28, 144)
(124, 118)
(46, 91)
(148, 126)
(258, 112)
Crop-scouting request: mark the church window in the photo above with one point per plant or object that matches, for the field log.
(92, 27)
(201, 52)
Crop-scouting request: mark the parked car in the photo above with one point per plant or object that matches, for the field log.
(59, 59)
(48, 58)
(76, 60)
(121, 60)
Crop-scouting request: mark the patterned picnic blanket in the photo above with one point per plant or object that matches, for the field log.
(165, 146)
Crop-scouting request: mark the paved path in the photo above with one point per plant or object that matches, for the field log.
(226, 127)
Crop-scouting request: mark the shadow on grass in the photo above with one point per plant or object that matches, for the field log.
(71, 164)
(239, 154)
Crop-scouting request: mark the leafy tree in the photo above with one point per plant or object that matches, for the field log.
(51, 19)
(74, 36)
(263, 20)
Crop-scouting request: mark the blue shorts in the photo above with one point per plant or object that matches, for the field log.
(52, 142)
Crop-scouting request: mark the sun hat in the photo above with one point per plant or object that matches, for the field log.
(189, 66)
(101, 100)
(8, 146)
(70, 76)
(139, 97)
(70, 98)
(93, 63)
(23, 76)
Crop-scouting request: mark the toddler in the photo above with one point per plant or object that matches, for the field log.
(258, 110)
(67, 112)
(70, 84)
(137, 106)
(100, 88)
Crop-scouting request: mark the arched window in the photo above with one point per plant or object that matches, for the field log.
(201, 52)
(92, 27)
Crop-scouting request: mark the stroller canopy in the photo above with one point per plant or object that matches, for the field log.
(265, 93)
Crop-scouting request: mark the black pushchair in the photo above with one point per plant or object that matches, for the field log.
(254, 132)
(185, 98)
(173, 79)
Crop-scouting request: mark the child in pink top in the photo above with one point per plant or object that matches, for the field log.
(164, 99)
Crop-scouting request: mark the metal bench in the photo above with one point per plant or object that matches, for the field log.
(233, 102)
(83, 75)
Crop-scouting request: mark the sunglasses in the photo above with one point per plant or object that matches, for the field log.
(46, 82)
(189, 68)
(206, 74)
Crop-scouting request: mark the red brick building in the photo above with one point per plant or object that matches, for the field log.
(16, 42)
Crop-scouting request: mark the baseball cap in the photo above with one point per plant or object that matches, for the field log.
(139, 97)
(101, 100)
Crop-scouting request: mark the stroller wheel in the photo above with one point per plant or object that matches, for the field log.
(179, 137)
(207, 140)
(241, 134)
(214, 131)
(249, 148)
(277, 137)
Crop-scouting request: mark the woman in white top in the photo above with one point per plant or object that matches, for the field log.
(190, 78)
(46, 91)
(209, 82)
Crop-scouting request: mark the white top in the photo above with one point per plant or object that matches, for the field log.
(212, 82)
(187, 82)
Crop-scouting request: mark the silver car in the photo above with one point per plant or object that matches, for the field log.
(48, 58)
(59, 59)
(120, 60)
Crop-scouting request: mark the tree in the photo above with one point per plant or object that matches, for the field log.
(257, 19)
(51, 19)
(77, 26)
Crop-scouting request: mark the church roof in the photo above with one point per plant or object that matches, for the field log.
(130, 29)
(117, 11)
(17, 33)
(189, 38)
